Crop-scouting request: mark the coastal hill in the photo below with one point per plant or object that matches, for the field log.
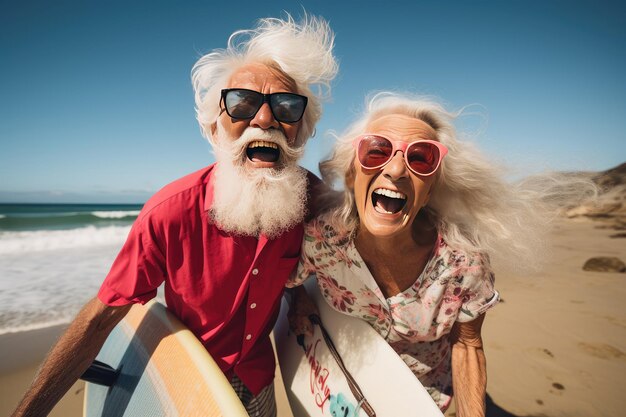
(610, 204)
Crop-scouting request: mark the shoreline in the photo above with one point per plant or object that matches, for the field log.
(27, 348)
(33, 327)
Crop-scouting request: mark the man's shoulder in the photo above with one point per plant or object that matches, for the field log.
(182, 191)
(315, 189)
(313, 179)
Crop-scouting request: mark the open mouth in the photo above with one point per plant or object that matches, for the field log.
(388, 201)
(263, 151)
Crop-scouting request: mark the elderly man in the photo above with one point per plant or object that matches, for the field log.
(224, 239)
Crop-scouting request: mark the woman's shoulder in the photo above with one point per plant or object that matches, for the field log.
(461, 261)
(328, 229)
(458, 255)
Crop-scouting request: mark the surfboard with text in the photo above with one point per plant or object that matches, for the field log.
(315, 384)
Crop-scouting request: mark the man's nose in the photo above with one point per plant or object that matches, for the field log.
(264, 118)
(396, 168)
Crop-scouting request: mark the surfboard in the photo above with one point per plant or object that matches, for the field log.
(315, 384)
(162, 370)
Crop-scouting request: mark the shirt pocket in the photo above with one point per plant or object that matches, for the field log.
(284, 266)
(279, 272)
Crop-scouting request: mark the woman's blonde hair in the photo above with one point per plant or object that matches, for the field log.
(472, 206)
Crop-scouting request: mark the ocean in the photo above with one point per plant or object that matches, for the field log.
(53, 258)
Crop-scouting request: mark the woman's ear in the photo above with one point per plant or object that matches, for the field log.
(350, 178)
(429, 194)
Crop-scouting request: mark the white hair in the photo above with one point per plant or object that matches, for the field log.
(471, 204)
(302, 50)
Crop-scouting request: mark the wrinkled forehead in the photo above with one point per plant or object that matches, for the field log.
(265, 78)
(401, 127)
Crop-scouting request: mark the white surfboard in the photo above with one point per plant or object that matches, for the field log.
(315, 384)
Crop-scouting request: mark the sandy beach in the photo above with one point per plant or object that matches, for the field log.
(556, 345)
(20, 357)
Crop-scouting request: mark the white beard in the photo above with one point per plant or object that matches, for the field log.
(254, 201)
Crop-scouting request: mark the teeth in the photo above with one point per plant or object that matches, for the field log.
(263, 144)
(390, 193)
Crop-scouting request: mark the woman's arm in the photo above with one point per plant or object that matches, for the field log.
(469, 368)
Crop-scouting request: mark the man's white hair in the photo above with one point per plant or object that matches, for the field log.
(302, 50)
(471, 204)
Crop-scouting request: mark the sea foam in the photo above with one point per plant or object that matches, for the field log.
(46, 240)
(115, 214)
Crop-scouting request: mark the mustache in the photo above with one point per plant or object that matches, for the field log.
(235, 149)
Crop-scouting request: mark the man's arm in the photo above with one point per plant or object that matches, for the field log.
(469, 368)
(70, 357)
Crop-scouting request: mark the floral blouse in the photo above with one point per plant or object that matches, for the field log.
(454, 286)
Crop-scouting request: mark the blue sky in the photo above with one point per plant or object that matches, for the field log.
(96, 103)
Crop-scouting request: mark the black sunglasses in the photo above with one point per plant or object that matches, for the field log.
(241, 103)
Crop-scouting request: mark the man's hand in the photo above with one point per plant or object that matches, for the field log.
(300, 308)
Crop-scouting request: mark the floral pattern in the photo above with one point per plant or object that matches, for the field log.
(454, 286)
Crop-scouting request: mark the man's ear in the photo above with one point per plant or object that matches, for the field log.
(213, 128)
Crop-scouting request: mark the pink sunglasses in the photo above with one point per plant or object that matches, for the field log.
(423, 157)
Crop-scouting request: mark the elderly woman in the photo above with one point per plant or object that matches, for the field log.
(406, 246)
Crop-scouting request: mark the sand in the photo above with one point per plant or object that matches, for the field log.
(20, 357)
(556, 345)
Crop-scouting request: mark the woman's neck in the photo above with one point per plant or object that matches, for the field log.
(388, 248)
(396, 261)
(420, 237)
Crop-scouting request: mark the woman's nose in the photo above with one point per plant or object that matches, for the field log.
(396, 168)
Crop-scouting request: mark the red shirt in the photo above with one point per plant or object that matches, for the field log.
(225, 288)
